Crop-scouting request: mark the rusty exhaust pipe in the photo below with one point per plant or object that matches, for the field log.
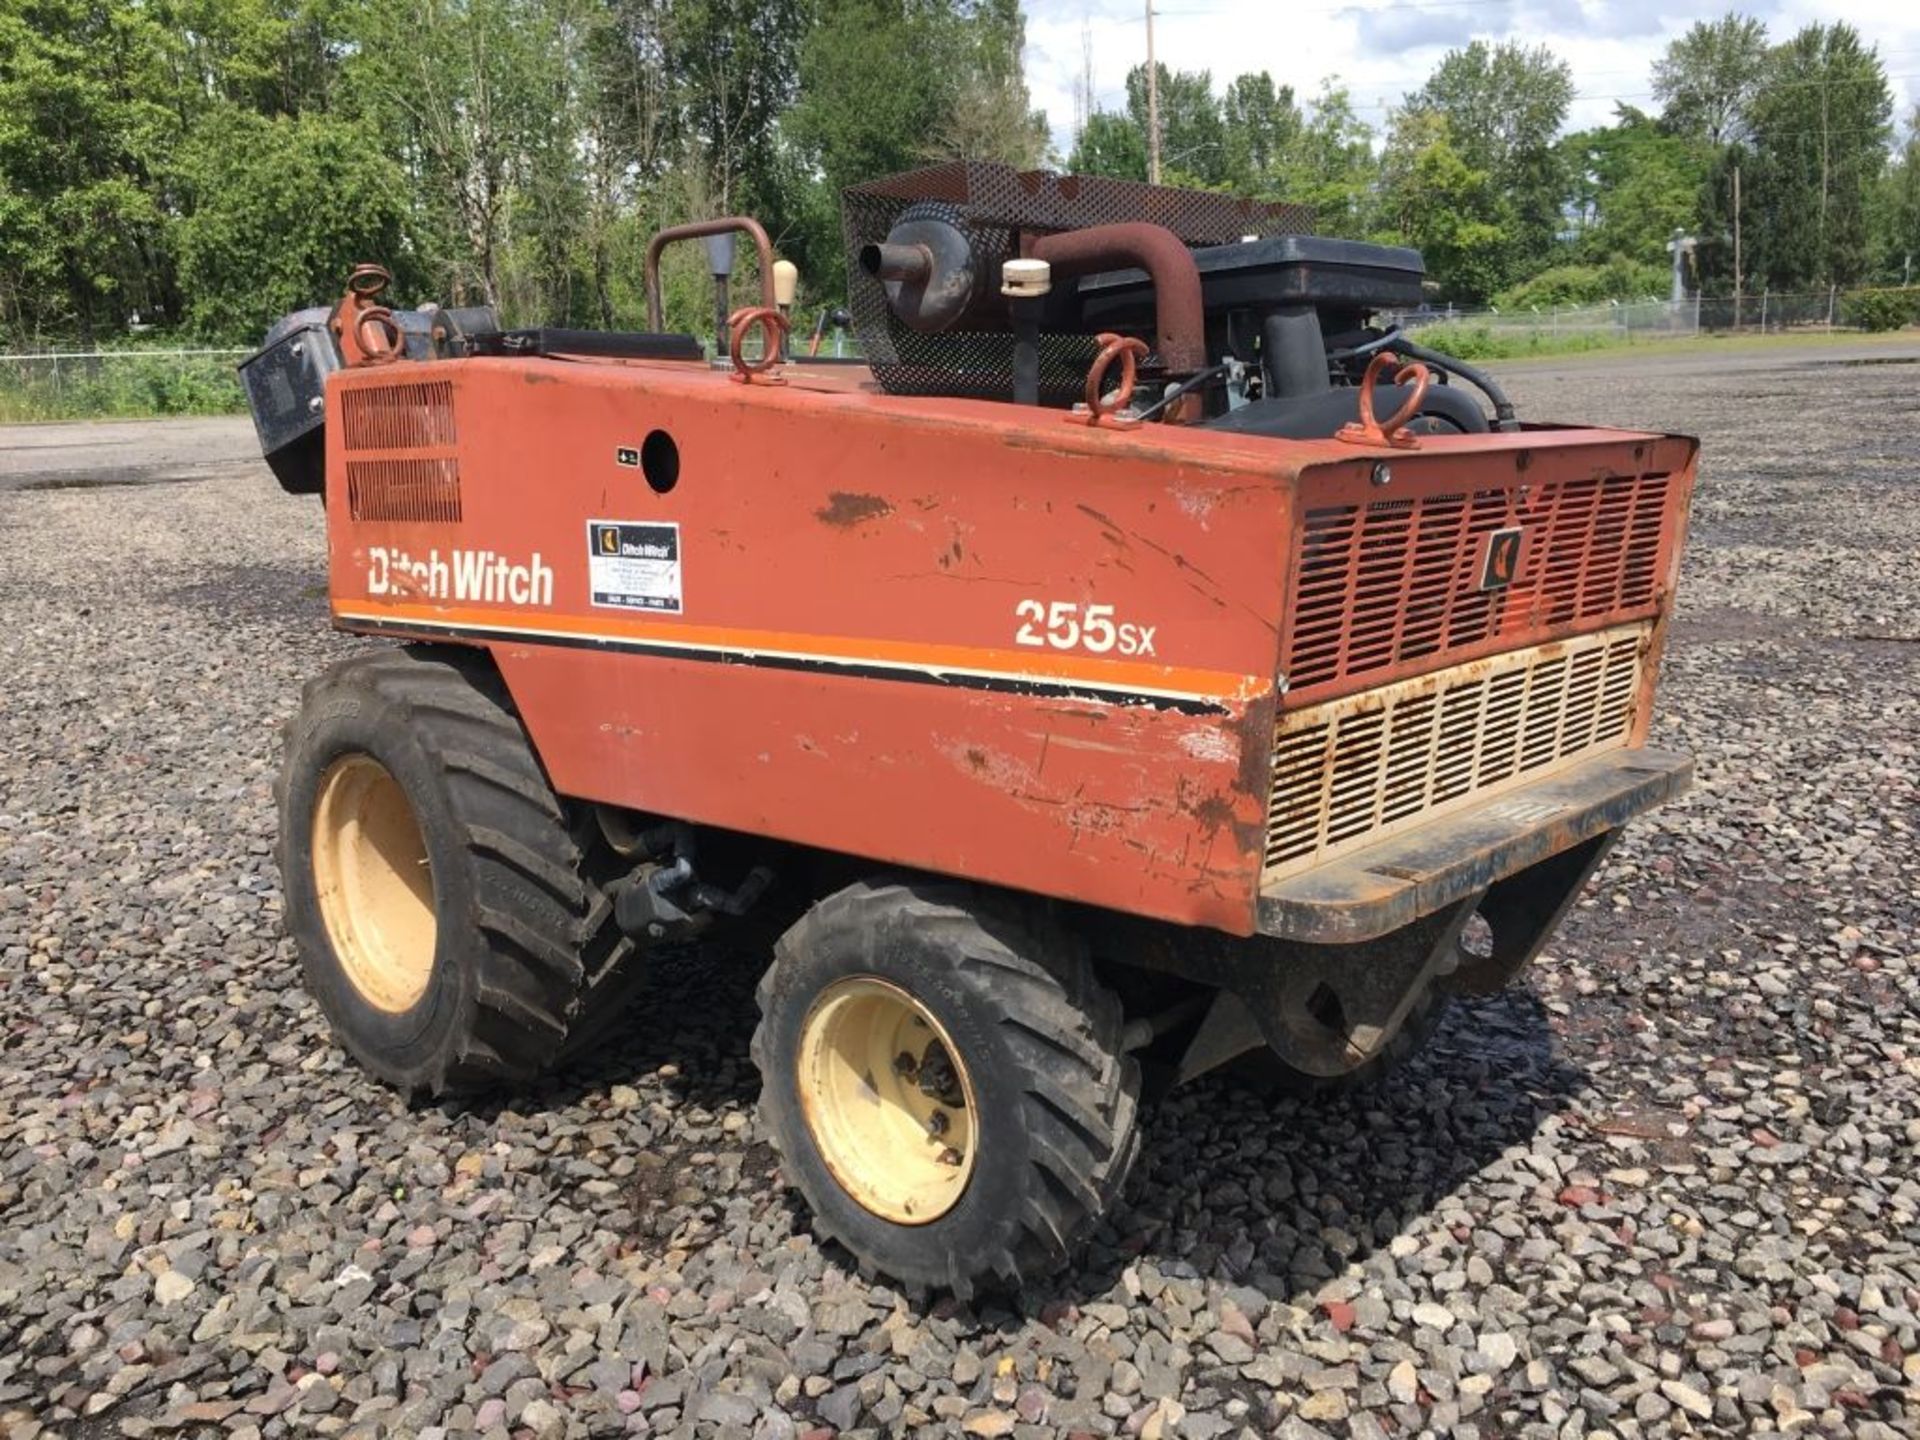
(911, 263)
(1179, 315)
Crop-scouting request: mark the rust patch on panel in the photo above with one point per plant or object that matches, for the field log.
(846, 509)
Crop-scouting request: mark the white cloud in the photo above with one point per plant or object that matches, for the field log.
(1381, 50)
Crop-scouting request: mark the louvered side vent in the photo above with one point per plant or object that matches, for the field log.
(399, 417)
(404, 489)
(402, 464)
(1353, 770)
(1397, 581)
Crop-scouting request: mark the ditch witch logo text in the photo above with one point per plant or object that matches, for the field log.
(480, 575)
(660, 544)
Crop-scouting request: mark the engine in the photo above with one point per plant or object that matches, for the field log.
(1250, 322)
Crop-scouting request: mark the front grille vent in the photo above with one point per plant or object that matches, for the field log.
(388, 427)
(1347, 772)
(1393, 582)
(404, 489)
(398, 417)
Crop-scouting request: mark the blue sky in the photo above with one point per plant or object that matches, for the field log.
(1381, 50)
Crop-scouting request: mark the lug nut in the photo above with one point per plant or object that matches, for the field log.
(938, 1123)
(905, 1065)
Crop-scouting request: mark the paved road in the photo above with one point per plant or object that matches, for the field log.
(123, 452)
(1737, 356)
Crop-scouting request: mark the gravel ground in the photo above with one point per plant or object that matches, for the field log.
(1665, 1187)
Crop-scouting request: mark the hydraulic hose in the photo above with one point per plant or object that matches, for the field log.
(1184, 388)
(1503, 417)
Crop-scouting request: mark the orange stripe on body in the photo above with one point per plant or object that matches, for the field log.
(1051, 665)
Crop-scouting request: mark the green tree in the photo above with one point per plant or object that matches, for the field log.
(626, 145)
(1331, 166)
(878, 79)
(1262, 125)
(1450, 211)
(1708, 77)
(1193, 145)
(1713, 223)
(273, 57)
(1632, 185)
(1707, 82)
(990, 115)
(735, 64)
(1820, 129)
(85, 137)
(477, 92)
(280, 210)
(1897, 211)
(1504, 106)
(1112, 145)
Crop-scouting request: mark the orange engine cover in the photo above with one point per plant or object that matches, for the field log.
(966, 637)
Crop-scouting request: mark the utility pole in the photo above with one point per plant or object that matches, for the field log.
(1083, 96)
(1737, 278)
(1153, 105)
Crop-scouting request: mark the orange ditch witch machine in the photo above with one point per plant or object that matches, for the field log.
(1136, 662)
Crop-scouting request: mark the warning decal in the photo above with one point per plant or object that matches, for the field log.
(634, 565)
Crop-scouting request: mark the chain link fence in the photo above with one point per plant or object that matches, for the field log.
(1764, 312)
(1612, 321)
(1770, 313)
(87, 384)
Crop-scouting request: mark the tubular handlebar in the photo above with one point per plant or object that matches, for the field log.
(694, 230)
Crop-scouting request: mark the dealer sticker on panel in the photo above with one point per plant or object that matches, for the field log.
(633, 565)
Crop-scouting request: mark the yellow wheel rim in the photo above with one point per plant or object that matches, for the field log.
(888, 1100)
(374, 884)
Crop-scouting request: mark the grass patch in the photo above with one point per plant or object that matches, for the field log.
(127, 384)
(1467, 341)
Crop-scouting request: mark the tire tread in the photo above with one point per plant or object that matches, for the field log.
(1080, 1089)
(538, 911)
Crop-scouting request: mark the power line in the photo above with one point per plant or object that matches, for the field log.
(1577, 99)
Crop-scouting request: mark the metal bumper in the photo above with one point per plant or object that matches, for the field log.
(1372, 892)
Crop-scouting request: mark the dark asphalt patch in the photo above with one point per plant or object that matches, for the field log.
(107, 482)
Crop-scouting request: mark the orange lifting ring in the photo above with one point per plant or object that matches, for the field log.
(772, 326)
(387, 348)
(1129, 351)
(1368, 430)
(368, 281)
(360, 309)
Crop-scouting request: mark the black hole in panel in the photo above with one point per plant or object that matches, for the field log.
(660, 461)
(1324, 1005)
